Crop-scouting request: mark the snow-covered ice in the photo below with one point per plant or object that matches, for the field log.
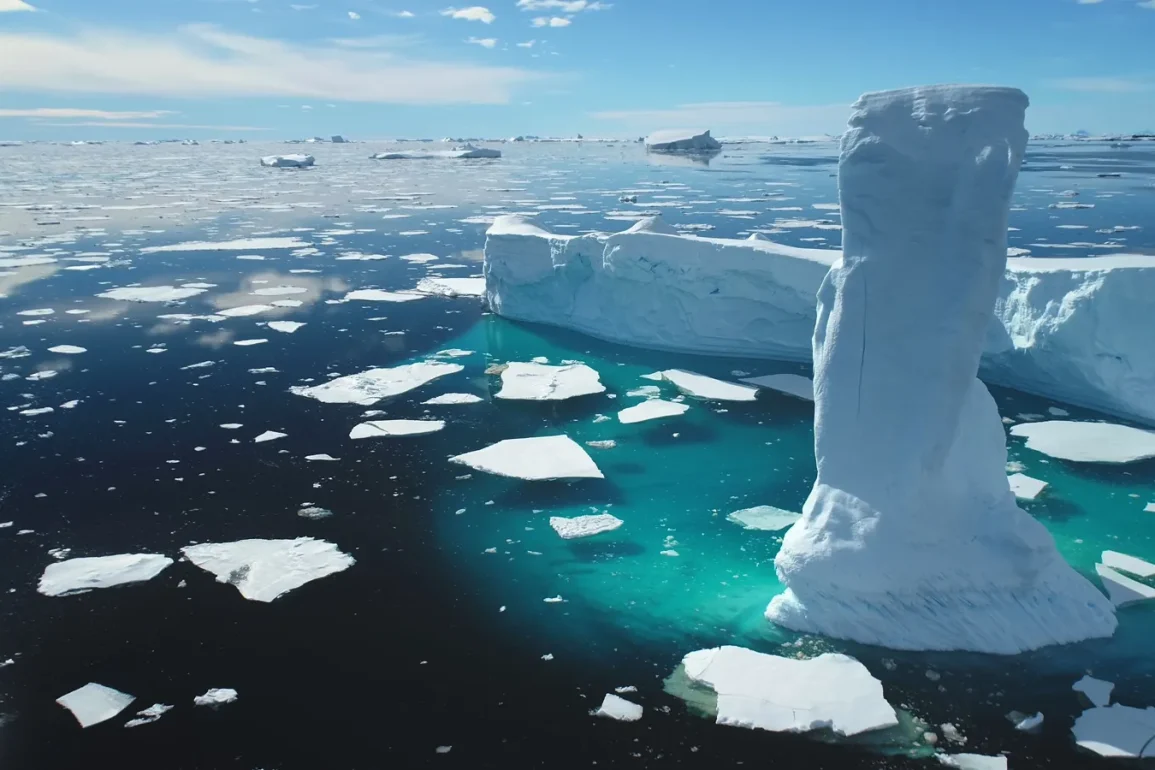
(392, 428)
(973, 761)
(911, 537)
(1025, 487)
(682, 140)
(216, 697)
(534, 459)
(651, 409)
(269, 435)
(373, 385)
(1098, 691)
(94, 703)
(1117, 731)
(286, 327)
(709, 388)
(768, 692)
(617, 707)
(463, 152)
(791, 384)
(85, 574)
(1130, 564)
(451, 399)
(150, 293)
(764, 517)
(1123, 590)
(452, 287)
(67, 350)
(288, 161)
(584, 526)
(262, 570)
(541, 382)
(1088, 442)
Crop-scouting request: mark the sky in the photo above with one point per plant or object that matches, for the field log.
(376, 69)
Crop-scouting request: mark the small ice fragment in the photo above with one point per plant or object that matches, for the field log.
(709, 388)
(553, 600)
(669, 552)
(379, 295)
(321, 458)
(541, 382)
(1130, 564)
(1097, 691)
(287, 327)
(85, 574)
(314, 512)
(269, 435)
(244, 311)
(148, 715)
(652, 409)
(1121, 589)
(764, 517)
(249, 343)
(1025, 487)
(67, 350)
(232, 425)
(616, 707)
(262, 570)
(450, 399)
(1030, 723)
(547, 656)
(216, 697)
(443, 749)
(604, 444)
(95, 703)
(534, 459)
(584, 526)
(791, 384)
(624, 690)
(392, 428)
(973, 761)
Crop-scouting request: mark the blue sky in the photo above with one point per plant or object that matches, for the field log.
(127, 69)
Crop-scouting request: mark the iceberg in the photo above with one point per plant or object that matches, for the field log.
(534, 459)
(911, 537)
(79, 575)
(541, 382)
(461, 152)
(1117, 731)
(288, 161)
(94, 703)
(1088, 442)
(391, 428)
(262, 570)
(584, 526)
(682, 140)
(617, 707)
(373, 385)
(652, 409)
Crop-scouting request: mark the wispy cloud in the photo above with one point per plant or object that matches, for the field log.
(11, 6)
(527, 44)
(297, 7)
(555, 21)
(157, 126)
(473, 13)
(404, 14)
(484, 42)
(65, 113)
(1088, 2)
(562, 6)
(1103, 85)
(756, 118)
(354, 15)
(1148, 4)
(206, 61)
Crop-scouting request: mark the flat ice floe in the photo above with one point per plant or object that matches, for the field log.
(1025, 487)
(542, 382)
(653, 409)
(450, 399)
(791, 384)
(709, 388)
(94, 703)
(288, 161)
(764, 517)
(464, 152)
(369, 387)
(243, 311)
(150, 293)
(584, 526)
(380, 295)
(67, 350)
(973, 761)
(1121, 589)
(617, 707)
(534, 459)
(241, 244)
(392, 428)
(452, 287)
(216, 697)
(269, 435)
(262, 570)
(1088, 442)
(85, 574)
(1117, 731)
(1097, 691)
(285, 327)
(768, 692)
(1131, 564)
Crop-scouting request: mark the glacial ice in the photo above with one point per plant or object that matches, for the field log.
(768, 692)
(1097, 691)
(288, 161)
(150, 293)
(85, 574)
(534, 459)
(452, 287)
(617, 707)
(584, 526)
(764, 517)
(94, 703)
(791, 384)
(1088, 442)
(262, 570)
(392, 428)
(373, 385)
(651, 409)
(1117, 731)
(911, 537)
(973, 761)
(1123, 590)
(708, 388)
(681, 140)
(522, 381)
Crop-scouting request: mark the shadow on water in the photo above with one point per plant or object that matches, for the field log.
(1053, 509)
(602, 550)
(560, 494)
(678, 434)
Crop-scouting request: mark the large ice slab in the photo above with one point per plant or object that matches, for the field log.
(651, 409)
(1128, 563)
(373, 385)
(709, 388)
(94, 703)
(584, 526)
(791, 384)
(463, 152)
(682, 140)
(1098, 691)
(393, 428)
(533, 459)
(150, 293)
(542, 382)
(911, 537)
(973, 761)
(1117, 731)
(288, 161)
(1088, 442)
(1123, 590)
(262, 570)
(84, 574)
(768, 692)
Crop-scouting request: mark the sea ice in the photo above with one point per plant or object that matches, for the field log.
(244, 311)
(533, 459)
(150, 293)
(1117, 731)
(79, 575)
(450, 399)
(149, 715)
(680, 140)
(216, 697)
(617, 707)
(380, 295)
(768, 692)
(452, 287)
(462, 152)
(1025, 487)
(708, 388)
(1131, 564)
(1098, 692)
(242, 244)
(287, 327)
(391, 428)
(373, 385)
(911, 537)
(1088, 442)
(973, 761)
(1122, 589)
(269, 435)
(262, 570)
(764, 517)
(584, 526)
(651, 409)
(321, 458)
(541, 382)
(791, 384)
(288, 161)
(67, 350)
(95, 703)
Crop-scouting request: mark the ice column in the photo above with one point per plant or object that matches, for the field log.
(911, 537)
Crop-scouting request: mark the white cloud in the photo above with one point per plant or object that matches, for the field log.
(1148, 4)
(296, 7)
(484, 42)
(564, 6)
(1102, 85)
(555, 21)
(68, 112)
(404, 14)
(206, 61)
(1088, 2)
(473, 13)
(527, 44)
(7, 6)
(158, 126)
(354, 15)
(751, 118)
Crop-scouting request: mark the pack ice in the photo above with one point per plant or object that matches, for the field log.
(262, 570)
(541, 382)
(911, 537)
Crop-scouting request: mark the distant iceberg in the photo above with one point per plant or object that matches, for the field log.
(461, 152)
(288, 161)
(681, 140)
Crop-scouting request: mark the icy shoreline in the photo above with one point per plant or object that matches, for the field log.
(1069, 329)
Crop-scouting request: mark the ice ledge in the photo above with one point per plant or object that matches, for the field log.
(1071, 329)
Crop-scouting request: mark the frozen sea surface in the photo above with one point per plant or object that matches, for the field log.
(444, 603)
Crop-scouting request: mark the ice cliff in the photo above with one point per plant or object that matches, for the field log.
(1077, 330)
(911, 538)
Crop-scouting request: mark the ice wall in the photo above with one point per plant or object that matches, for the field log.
(911, 537)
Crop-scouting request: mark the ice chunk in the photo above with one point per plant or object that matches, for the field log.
(452, 287)
(584, 526)
(1025, 487)
(791, 384)
(1088, 442)
(450, 399)
(67, 350)
(911, 538)
(1117, 731)
(390, 428)
(150, 293)
(682, 140)
(534, 459)
(617, 707)
(288, 161)
(216, 697)
(242, 244)
(768, 692)
(652, 409)
(1122, 589)
(262, 570)
(373, 385)
(1098, 692)
(463, 152)
(269, 435)
(149, 715)
(287, 327)
(243, 311)
(701, 386)
(249, 343)
(380, 295)
(1029, 724)
(1131, 564)
(95, 703)
(764, 517)
(973, 761)
(541, 382)
(321, 458)
(79, 575)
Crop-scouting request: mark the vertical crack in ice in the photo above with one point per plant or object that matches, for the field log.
(862, 352)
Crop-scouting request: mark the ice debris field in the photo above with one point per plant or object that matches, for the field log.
(525, 435)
